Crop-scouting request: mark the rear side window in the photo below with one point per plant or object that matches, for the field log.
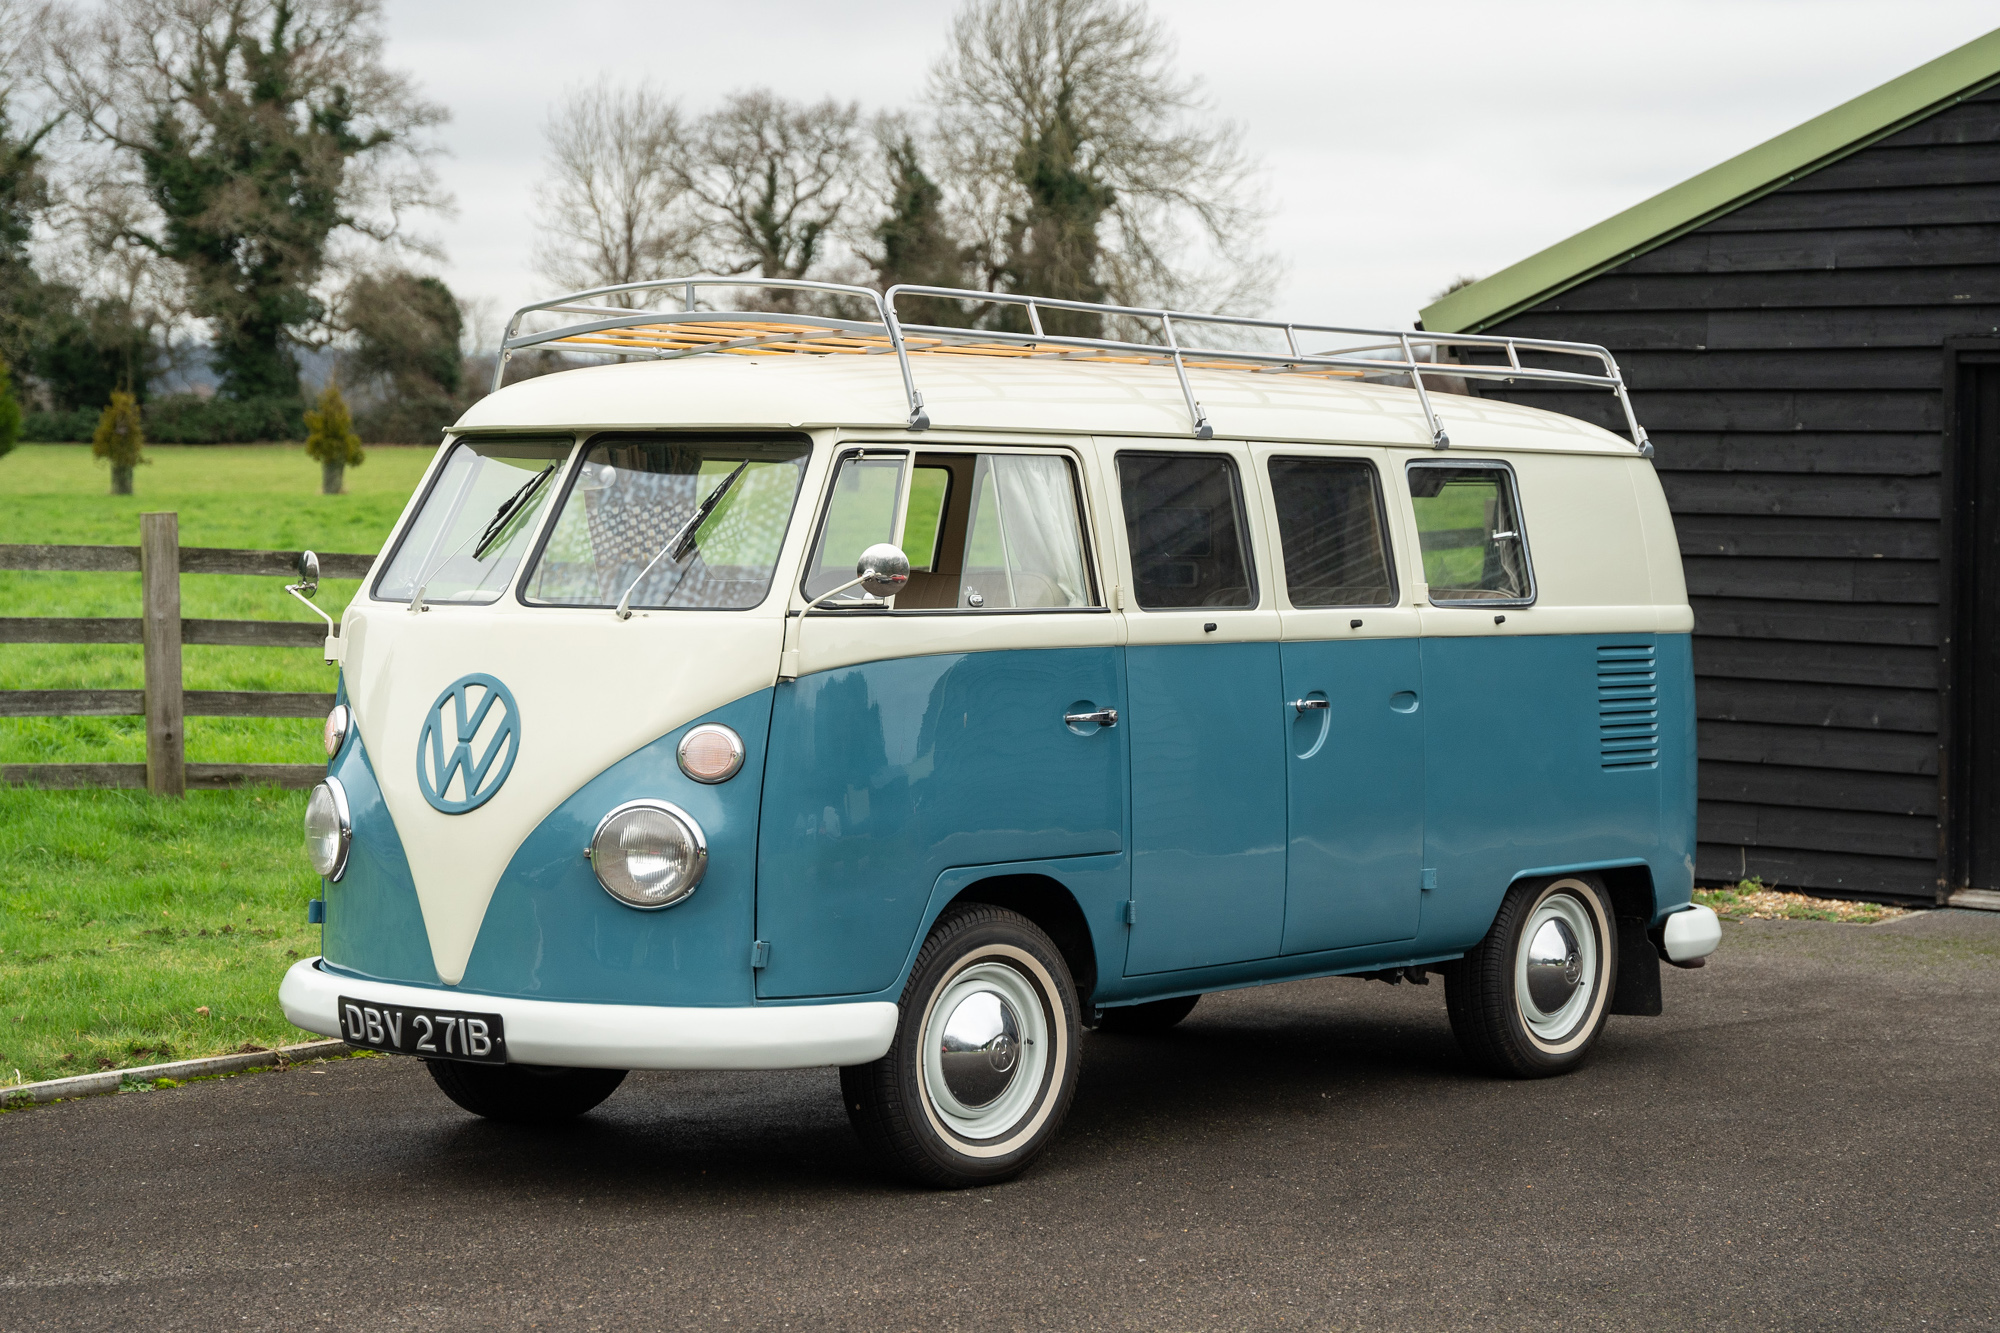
(1184, 521)
(1469, 527)
(1333, 532)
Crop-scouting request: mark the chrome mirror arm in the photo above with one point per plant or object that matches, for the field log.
(308, 585)
(881, 572)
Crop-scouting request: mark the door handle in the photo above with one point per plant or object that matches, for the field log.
(1307, 705)
(1103, 717)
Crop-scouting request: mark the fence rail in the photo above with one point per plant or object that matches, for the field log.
(161, 560)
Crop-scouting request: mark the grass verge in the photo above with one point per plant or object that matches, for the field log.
(135, 930)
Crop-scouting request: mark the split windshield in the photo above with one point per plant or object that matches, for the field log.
(474, 526)
(632, 521)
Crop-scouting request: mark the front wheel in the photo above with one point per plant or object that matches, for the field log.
(1530, 1000)
(984, 1063)
(524, 1094)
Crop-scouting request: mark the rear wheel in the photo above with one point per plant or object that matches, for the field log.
(1139, 1019)
(984, 1063)
(1530, 1000)
(524, 1094)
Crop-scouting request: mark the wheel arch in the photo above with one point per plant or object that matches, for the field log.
(1048, 903)
(1629, 883)
(1635, 987)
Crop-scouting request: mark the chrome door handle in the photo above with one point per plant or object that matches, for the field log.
(1307, 705)
(1103, 717)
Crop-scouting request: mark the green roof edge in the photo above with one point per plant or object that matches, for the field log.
(1721, 189)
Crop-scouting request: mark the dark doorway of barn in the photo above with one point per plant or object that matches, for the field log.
(1972, 735)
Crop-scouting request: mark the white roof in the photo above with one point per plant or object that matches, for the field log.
(1017, 395)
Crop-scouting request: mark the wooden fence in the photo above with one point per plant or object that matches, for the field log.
(160, 560)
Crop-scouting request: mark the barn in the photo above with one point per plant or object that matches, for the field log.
(1811, 334)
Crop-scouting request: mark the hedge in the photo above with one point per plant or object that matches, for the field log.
(183, 418)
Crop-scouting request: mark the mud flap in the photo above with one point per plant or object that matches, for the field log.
(1636, 989)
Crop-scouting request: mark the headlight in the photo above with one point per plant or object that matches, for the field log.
(648, 854)
(337, 724)
(711, 753)
(329, 831)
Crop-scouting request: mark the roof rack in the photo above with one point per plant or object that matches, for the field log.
(612, 330)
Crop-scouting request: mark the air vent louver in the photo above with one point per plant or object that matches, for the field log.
(1628, 707)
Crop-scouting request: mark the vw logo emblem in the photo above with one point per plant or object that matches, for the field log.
(470, 739)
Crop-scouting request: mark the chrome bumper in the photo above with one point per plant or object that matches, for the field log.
(1691, 933)
(622, 1036)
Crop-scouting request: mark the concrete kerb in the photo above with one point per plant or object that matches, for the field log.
(110, 1080)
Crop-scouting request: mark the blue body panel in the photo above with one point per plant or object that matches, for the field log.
(886, 774)
(1208, 804)
(1516, 776)
(1355, 792)
(374, 926)
(892, 786)
(553, 933)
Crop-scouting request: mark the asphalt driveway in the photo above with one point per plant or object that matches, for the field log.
(1810, 1138)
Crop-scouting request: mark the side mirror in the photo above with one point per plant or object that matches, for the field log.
(308, 573)
(882, 570)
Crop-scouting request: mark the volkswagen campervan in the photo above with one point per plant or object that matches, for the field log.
(823, 689)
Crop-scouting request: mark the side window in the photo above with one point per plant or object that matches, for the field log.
(1023, 541)
(1332, 531)
(984, 532)
(1469, 526)
(1184, 522)
(923, 522)
(860, 513)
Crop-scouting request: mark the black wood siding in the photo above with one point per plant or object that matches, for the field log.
(1787, 360)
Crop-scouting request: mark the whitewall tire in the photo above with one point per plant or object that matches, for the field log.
(984, 1063)
(1531, 999)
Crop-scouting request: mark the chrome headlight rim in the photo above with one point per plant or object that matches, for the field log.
(339, 726)
(672, 811)
(341, 813)
(728, 734)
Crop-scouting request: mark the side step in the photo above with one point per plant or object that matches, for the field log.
(1980, 900)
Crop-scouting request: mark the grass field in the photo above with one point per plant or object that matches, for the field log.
(122, 917)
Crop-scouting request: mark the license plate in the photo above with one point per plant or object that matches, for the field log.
(439, 1034)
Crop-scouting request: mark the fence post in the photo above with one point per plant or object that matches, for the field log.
(160, 583)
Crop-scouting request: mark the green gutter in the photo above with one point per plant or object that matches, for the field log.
(1848, 128)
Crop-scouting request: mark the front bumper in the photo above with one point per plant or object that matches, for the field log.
(622, 1036)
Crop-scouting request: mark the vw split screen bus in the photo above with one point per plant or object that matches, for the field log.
(817, 689)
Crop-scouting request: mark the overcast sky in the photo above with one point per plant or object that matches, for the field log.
(1402, 143)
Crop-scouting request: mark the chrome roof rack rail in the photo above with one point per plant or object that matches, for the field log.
(611, 330)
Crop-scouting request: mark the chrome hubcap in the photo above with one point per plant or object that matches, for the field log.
(986, 1050)
(1557, 970)
(979, 1055)
(1555, 966)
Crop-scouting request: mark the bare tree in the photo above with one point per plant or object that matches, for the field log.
(775, 179)
(260, 132)
(1084, 165)
(613, 205)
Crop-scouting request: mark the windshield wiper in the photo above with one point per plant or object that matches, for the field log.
(509, 507)
(683, 540)
(505, 514)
